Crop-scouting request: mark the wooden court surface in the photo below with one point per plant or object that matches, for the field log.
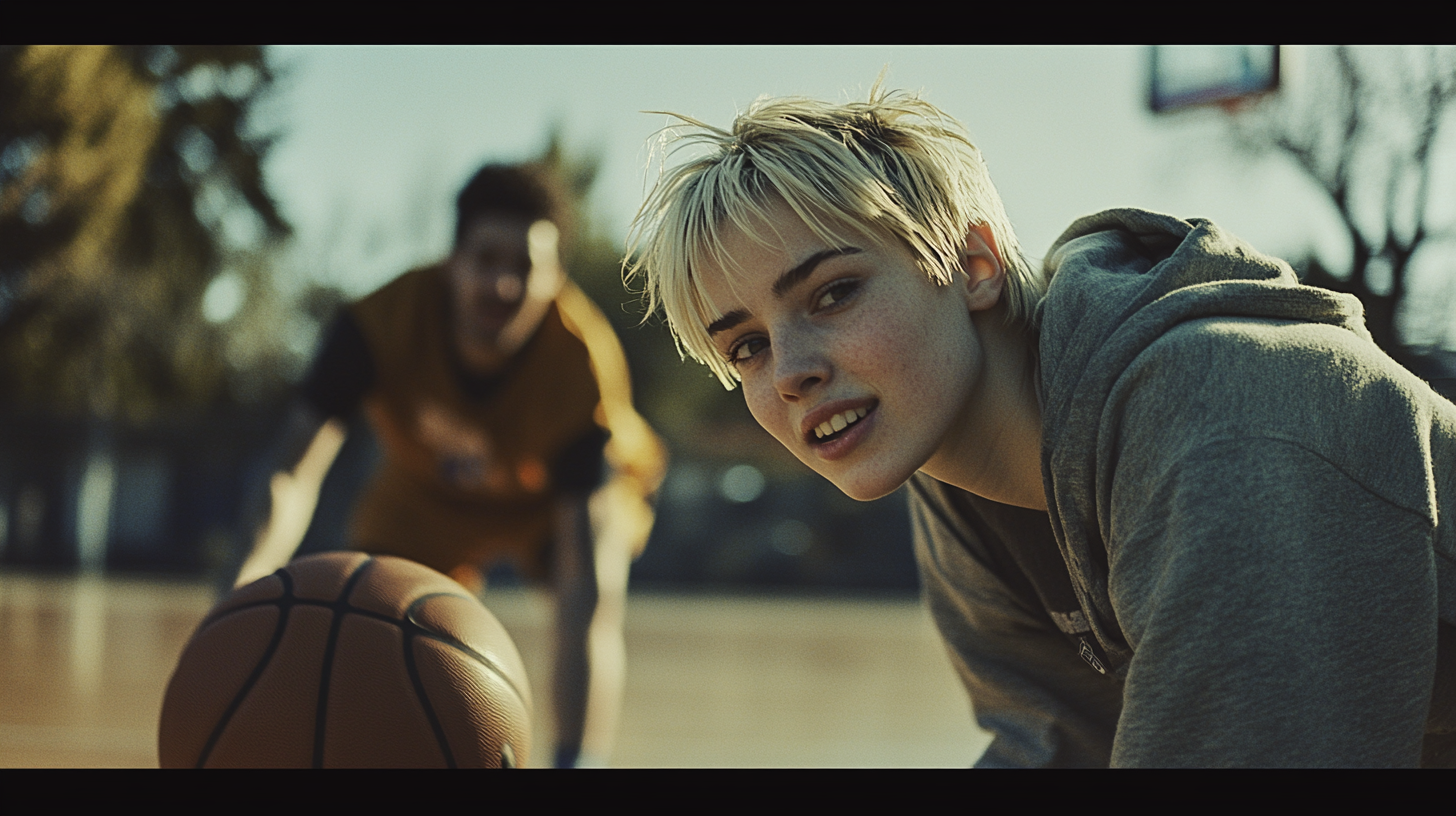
(712, 681)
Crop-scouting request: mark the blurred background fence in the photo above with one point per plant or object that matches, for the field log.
(180, 498)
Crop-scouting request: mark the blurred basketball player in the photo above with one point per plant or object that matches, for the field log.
(501, 399)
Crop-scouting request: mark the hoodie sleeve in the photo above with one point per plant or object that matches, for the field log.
(1042, 705)
(1251, 492)
(1272, 605)
(1270, 563)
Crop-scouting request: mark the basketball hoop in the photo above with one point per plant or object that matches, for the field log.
(1232, 77)
(1233, 106)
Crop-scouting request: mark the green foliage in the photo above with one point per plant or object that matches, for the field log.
(130, 182)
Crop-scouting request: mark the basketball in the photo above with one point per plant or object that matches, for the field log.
(346, 660)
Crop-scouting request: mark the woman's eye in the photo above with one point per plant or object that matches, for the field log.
(747, 350)
(835, 293)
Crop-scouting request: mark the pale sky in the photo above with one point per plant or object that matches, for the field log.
(377, 140)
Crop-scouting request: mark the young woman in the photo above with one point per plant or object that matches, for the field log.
(1171, 507)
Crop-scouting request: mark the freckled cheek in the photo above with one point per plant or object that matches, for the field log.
(770, 411)
(881, 345)
(949, 361)
(910, 353)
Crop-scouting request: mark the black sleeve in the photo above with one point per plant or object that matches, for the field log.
(581, 467)
(343, 371)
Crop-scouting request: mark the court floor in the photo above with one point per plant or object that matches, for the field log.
(712, 681)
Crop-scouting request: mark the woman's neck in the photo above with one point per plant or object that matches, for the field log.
(995, 450)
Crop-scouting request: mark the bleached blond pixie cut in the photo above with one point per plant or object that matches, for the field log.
(894, 167)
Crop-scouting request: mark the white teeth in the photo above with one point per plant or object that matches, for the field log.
(839, 422)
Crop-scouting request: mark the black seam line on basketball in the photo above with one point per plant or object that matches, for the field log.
(222, 723)
(216, 616)
(417, 630)
(409, 633)
(408, 626)
(334, 605)
(321, 714)
(345, 608)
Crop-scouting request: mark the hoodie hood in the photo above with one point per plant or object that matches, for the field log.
(1120, 280)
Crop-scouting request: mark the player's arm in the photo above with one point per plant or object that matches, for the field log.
(293, 491)
(577, 596)
(591, 562)
(342, 373)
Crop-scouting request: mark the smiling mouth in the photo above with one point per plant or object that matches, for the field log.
(832, 428)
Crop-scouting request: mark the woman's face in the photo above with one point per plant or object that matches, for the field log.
(850, 355)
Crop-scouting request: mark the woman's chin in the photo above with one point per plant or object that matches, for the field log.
(863, 487)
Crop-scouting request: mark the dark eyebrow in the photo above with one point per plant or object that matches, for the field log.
(727, 321)
(792, 277)
(785, 282)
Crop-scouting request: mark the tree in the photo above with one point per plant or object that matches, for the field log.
(1366, 127)
(130, 182)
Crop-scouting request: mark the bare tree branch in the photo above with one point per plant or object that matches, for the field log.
(1365, 112)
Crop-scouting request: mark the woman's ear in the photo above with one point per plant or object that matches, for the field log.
(985, 274)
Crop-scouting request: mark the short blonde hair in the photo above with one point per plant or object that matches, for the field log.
(894, 166)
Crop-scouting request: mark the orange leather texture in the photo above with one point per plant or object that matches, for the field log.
(345, 660)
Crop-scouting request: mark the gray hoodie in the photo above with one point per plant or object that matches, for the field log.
(1250, 539)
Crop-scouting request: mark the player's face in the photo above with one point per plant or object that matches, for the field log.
(850, 355)
(488, 273)
(502, 272)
